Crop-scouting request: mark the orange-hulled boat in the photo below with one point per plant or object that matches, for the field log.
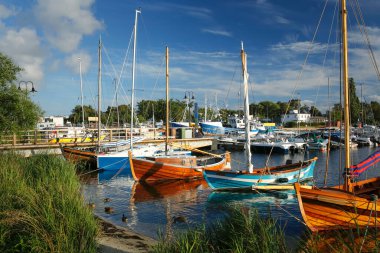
(175, 167)
(353, 204)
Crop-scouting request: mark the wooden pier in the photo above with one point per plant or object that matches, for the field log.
(38, 141)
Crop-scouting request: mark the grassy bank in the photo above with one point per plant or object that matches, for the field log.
(41, 208)
(242, 231)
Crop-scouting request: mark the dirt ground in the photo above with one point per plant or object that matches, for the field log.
(114, 239)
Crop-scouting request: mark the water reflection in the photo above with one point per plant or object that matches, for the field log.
(176, 189)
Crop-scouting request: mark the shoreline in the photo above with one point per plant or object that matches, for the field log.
(116, 239)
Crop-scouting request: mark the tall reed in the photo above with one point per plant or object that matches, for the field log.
(41, 207)
(243, 230)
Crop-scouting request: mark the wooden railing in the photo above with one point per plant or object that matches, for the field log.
(41, 137)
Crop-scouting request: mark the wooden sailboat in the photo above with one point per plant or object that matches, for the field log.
(271, 178)
(353, 204)
(172, 166)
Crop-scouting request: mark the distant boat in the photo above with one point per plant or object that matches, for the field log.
(212, 127)
(354, 204)
(274, 176)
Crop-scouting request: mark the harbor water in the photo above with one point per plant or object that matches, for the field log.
(168, 207)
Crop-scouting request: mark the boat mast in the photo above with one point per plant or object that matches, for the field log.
(347, 180)
(99, 87)
(81, 89)
(167, 101)
(246, 110)
(206, 108)
(133, 74)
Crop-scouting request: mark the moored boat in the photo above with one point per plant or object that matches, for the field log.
(354, 204)
(242, 180)
(175, 167)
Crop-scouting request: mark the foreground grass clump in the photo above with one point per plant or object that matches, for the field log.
(342, 241)
(41, 207)
(243, 230)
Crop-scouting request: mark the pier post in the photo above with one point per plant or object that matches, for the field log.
(35, 137)
(214, 144)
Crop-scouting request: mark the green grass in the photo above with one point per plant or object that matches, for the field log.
(41, 207)
(243, 230)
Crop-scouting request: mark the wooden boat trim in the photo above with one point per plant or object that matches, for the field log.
(300, 203)
(131, 165)
(277, 187)
(277, 169)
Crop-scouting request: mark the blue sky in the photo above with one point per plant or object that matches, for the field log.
(46, 37)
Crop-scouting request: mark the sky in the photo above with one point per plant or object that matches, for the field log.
(291, 48)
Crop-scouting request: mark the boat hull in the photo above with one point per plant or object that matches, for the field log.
(79, 155)
(280, 175)
(212, 128)
(331, 208)
(171, 168)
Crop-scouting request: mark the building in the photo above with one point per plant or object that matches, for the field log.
(294, 116)
(51, 122)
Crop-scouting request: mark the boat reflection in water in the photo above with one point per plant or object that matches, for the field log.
(180, 189)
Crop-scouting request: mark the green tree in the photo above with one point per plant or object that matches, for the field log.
(76, 114)
(314, 111)
(17, 110)
(355, 106)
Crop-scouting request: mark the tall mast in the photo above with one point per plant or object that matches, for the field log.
(347, 181)
(167, 101)
(246, 110)
(206, 108)
(99, 87)
(81, 89)
(133, 74)
(117, 103)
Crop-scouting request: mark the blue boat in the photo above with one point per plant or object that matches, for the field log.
(276, 177)
(283, 175)
(212, 127)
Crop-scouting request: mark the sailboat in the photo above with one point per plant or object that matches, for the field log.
(173, 166)
(279, 177)
(353, 204)
(112, 155)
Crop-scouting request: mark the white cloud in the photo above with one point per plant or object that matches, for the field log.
(5, 12)
(24, 47)
(217, 32)
(65, 22)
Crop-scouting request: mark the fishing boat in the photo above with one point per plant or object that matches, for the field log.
(173, 166)
(354, 204)
(275, 176)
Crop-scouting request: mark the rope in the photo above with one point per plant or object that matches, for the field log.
(194, 149)
(306, 59)
(369, 218)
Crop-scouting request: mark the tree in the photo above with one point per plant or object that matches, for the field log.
(314, 111)
(17, 110)
(76, 114)
(355, 106)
